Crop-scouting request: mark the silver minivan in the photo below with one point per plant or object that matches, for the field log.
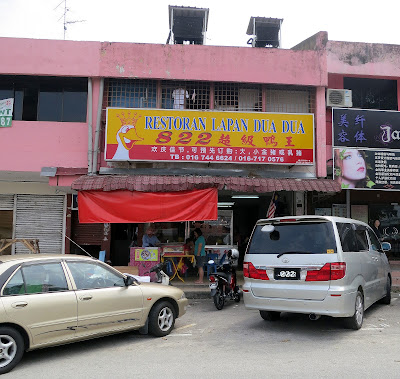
(317, 265)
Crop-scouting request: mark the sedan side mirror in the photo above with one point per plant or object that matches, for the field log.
(129, 281)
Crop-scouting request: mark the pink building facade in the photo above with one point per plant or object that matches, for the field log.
(58, 138)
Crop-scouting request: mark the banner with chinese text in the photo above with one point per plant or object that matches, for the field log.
(370, 148)
(209, 136)
(6, 112)
(366, 128)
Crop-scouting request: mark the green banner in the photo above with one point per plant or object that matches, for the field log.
(6, 112)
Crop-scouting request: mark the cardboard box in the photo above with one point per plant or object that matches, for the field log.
(133, 270)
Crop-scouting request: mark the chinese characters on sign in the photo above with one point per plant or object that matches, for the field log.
(365, 149)
(366, 128)
(196, 136)
(6, 112)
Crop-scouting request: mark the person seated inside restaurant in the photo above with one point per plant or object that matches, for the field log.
(188, 247)
(150, 239)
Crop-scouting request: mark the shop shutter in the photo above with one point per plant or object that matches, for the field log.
(40, 217)
(86, 234)
(6, 202)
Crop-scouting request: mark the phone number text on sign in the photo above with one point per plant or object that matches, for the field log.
(221, 155)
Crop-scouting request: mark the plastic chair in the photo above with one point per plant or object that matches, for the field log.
(211, 268)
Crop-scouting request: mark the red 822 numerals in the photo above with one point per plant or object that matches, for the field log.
(184, 138)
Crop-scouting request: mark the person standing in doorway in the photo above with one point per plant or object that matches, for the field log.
(200, 253)
(376, 227)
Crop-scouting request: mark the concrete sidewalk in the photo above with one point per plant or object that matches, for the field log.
(202, 291)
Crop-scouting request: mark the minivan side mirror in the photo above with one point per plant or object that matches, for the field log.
(386, 246)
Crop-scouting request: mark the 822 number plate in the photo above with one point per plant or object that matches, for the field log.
(287, 274)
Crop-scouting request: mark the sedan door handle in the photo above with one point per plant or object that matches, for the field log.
(19, 304)
(86, 297)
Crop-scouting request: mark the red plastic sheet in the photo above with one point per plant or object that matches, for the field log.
(138, 207)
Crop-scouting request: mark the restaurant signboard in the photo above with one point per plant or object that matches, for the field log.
(209, 136)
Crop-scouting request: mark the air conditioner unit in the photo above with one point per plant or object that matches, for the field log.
(339, 98)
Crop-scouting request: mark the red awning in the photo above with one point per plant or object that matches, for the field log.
(137, 207)
(149, 183)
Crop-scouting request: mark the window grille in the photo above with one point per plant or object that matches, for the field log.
(131, 93)
(237, 97)
(185, 95)
(290, 100)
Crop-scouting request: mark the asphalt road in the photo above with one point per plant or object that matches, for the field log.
(233, 343)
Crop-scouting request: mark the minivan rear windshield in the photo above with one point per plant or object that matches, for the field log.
(294, 237)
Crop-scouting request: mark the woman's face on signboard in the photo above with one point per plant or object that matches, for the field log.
(354, 167)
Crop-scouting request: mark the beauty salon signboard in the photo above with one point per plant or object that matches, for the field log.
(366, 149)
(211, 136)
(366, 128)
(6, 112)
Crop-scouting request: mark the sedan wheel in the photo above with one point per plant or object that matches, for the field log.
(11, 349)
(161, 319)
(355, 322)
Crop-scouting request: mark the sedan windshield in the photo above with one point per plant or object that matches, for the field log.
(294, 238)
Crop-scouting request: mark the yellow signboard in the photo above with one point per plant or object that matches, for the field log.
(209, 136)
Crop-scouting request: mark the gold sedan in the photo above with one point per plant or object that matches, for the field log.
(54, 299)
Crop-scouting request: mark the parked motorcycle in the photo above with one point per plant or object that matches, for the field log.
(162, 277)
(223, 284)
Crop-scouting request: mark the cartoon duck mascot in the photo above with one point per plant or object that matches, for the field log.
(126, 137)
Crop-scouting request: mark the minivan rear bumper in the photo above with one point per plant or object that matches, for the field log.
(333, 304)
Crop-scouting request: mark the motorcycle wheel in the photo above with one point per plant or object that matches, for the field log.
(219, 299)
(237, 297)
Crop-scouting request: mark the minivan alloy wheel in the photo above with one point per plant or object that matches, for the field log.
(356, 321)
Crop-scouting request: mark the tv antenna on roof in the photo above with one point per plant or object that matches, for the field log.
(64, 16)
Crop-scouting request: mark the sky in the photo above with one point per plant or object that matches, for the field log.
(146, 21)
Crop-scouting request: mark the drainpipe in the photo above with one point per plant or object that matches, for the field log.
(90, 127)
(98, 123)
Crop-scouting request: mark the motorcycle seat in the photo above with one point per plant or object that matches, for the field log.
(221, 274)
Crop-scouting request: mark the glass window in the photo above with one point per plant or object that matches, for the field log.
(361, 238)
(74, 106)
(37, 278)
(15, 286)
(50, 106)
(372, 93)
(375, 244)
(185, 95)
(347, 236)
(308, 237)
(168, 232)
(94, 275)
(130, 93)
(237, 97)
(38, 98)
(216, 232)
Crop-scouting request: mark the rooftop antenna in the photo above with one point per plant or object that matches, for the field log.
(64, 16)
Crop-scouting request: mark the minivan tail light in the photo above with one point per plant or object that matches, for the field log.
(330, 271)
(249, 271)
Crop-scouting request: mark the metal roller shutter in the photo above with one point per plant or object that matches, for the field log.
(40, 217)
(6, 202)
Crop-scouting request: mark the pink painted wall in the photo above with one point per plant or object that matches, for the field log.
(363, 59)
(213, 63)
(29, 146)
(49, 57)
